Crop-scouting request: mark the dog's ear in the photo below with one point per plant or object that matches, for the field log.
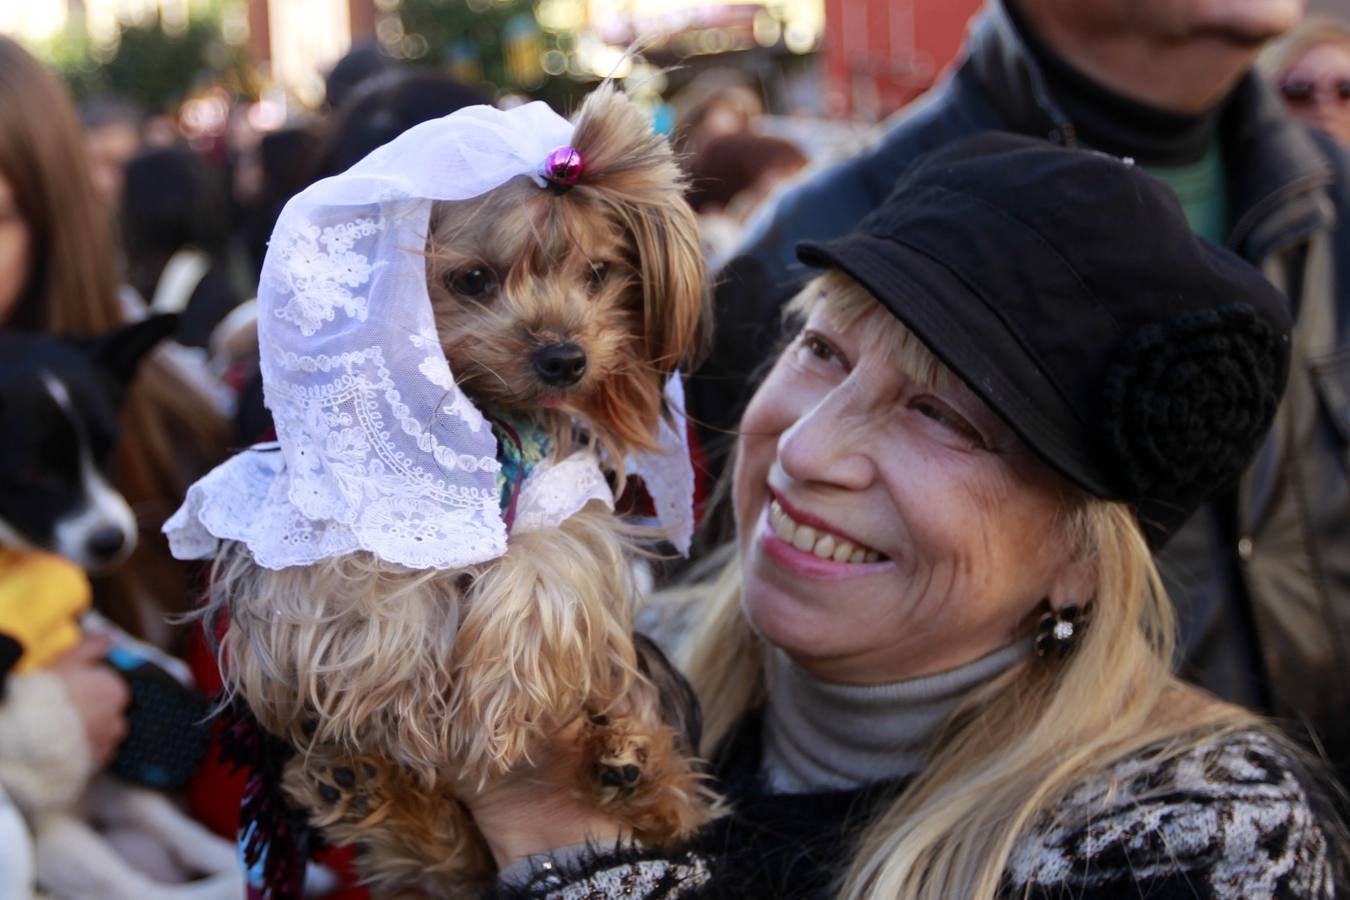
(632, 170)
(675, 285)
(119, 353)
(680, 708)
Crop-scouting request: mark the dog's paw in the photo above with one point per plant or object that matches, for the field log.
(334, 789)
(618, 759)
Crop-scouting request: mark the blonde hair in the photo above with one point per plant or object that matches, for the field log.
(1016, 746)
(1312, 32)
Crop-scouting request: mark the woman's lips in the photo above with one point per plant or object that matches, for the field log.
(806, 563)
(812, 535)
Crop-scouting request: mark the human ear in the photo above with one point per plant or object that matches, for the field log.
(1075, 584)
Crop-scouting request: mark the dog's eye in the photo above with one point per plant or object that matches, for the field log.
(476, 283)
(42, 480)
(599, 272)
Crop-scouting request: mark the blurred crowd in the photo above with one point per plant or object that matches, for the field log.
(110, 213)
(194, 212)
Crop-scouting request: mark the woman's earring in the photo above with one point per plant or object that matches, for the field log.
(1058, 631)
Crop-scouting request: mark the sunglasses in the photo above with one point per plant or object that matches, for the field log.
(1300, 91)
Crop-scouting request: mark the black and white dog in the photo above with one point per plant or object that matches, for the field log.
(59, 409)
(60, 403)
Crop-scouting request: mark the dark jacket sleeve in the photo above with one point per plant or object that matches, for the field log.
(1339, 193)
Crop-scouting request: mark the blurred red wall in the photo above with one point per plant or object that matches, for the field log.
(880, 54)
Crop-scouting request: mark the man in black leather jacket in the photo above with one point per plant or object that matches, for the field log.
(1261, 576)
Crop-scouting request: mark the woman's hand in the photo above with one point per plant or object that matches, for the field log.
(99, 695)
(536, 809)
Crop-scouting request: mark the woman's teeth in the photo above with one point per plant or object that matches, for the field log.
(822, 544)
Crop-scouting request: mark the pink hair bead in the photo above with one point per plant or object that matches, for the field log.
(563, 167)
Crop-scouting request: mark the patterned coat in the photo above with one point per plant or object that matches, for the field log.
(1229, 819)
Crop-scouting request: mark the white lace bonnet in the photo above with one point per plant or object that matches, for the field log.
(377, 449)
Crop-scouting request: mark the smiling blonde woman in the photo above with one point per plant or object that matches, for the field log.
(936, 663)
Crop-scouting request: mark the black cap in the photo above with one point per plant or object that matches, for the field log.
(1067, 290)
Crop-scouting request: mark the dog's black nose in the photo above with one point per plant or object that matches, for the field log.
(105, 542)
(560, 365)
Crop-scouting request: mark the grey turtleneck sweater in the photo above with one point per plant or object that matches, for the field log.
(821, 736)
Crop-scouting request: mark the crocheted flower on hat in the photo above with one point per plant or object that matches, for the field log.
(1190, 398)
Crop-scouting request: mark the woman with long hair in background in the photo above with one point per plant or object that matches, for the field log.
(61, 276)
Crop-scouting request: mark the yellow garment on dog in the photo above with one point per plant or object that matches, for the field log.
(42, 597)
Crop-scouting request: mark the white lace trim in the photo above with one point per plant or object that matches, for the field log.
(554, 492)
(247, 499)
(669, 475)
(379, 449)
(320, 268)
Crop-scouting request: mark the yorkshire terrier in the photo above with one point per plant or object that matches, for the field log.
(563, 312)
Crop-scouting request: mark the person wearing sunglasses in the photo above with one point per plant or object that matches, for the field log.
(1312, 70)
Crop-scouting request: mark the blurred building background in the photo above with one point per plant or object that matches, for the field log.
(850, 60)
(844, 58)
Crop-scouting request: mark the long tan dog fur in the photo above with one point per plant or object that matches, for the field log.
(395, 684)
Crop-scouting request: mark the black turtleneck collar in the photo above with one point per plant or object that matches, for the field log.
(1106, 121)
